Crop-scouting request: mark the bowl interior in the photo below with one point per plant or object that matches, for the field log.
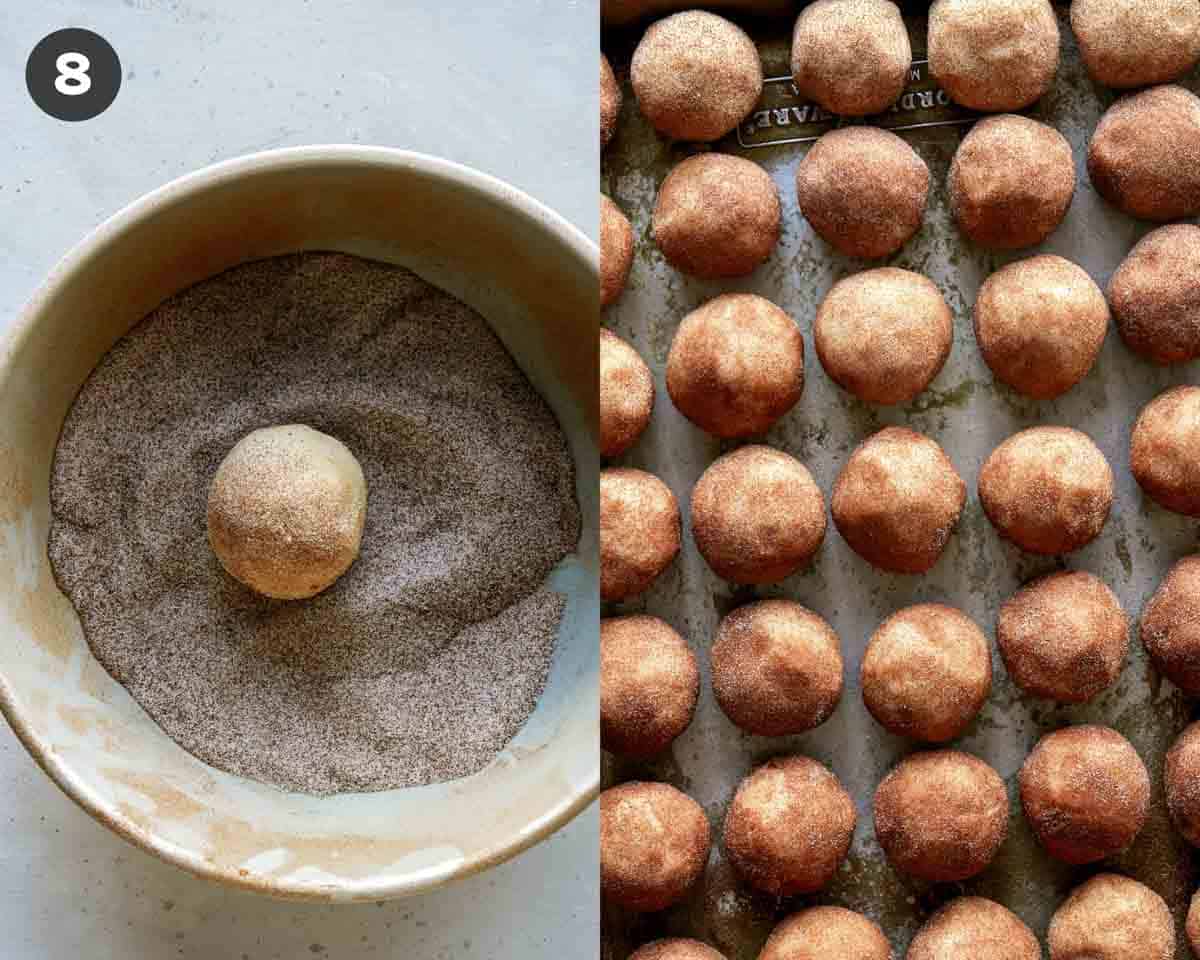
(535, 279)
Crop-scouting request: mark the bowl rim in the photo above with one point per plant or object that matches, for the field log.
(579, 793)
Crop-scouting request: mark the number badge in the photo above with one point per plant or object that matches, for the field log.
(73, 74)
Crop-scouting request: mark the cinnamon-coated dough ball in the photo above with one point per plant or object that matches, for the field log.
(993, 55)
(757, 515)
(654, 844)
(676, 948)
(1063, 636)
(789, 826)
(974, 928)
(897, 500)
(863, 190)
(610, 101)
(1137, 43)
(717, 216)
(639, 531)
(941, 815)
(827, 933)
(1047, 489)
(1170, 626)
(883, 334)
(851, 56)
(649, 682)
(1181, 782)
(1040, 324)
(1011, 182)
(736, 365)
(1164, 451)
(286, 510)
(1085, 793)
(927, 672)
(1144, 157)
(616, 251)
(1111, 917)
(696, 75)
(1155, 295)
(776, 668)
(626, 395)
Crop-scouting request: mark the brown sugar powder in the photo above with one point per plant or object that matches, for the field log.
(428, 655)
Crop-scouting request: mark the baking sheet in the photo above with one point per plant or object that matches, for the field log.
(969, 415)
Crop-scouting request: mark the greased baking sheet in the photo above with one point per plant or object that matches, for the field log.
(969, 415)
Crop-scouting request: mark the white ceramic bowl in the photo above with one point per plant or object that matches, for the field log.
(535, 278)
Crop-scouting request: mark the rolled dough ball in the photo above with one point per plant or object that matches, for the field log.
(717, 216)
(1040, 324)
(1047, 489)
(883, 334)
(1111, 917)
(286, 509)
(616, 251)
(863, 190)
(626, 395)
(1181, 782)
(993, 55)
(1164, 451)
(973, 928)
(1193, 924)
(757, 515)
(1170, 626)
(789, 826)
(639, 531)
(1011, 182)
(676, 948)
(696, 75)
(1144, 157)
(827, 933)
(610, 101)
(736, 365)
(851, 56)
(1155, 295)
(1137, 43)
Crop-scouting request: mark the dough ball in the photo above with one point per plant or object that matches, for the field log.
(639, 531)
(883, 334)
(827, 933)
(757, 515)
(717, 216)
(286, 509)
(1040, 324)
(1171, 626)
(863, 190)
(1137, 43)
(676, 948)
(851, 56)
(1111, 917)
(1063, 637)
(649, 682)
(654, 844)
(897, 500)
(776, 668)
(1193, 924)
(993, 55)
(1164, 452)
(1155, 295)
(941, 816)
(1085, 792)
(696, 75)
(789, 826)
(972, 928)
(626, 395)
(927, 672)
(616, 251)
(736, 365)
(1181, 782)
(1047, 489)
(1144, 157)
(610, 102)
(1011, 182)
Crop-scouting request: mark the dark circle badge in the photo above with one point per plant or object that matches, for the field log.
(73, 74)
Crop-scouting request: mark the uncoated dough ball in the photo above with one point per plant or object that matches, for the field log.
(736, 365)
(1193, 924)
(616, 251)
(1011, 182)
(717, 216)
(1111, 917)
(286, 509)
(927, 672)
(639, 531)
(1181, 782)
(883, 334)
(757, 515)
(1040, 324)
(864, 191)
(1144, 157)
(827, 933)
(1155, 295)
(993, 55)
(1137, 43)
(1170, 626)
(851, 56)
(1164, 451)
(626, 395)
(973, 928)
(676, 948)
(610, 101)
(696, 75)
(897, 500)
